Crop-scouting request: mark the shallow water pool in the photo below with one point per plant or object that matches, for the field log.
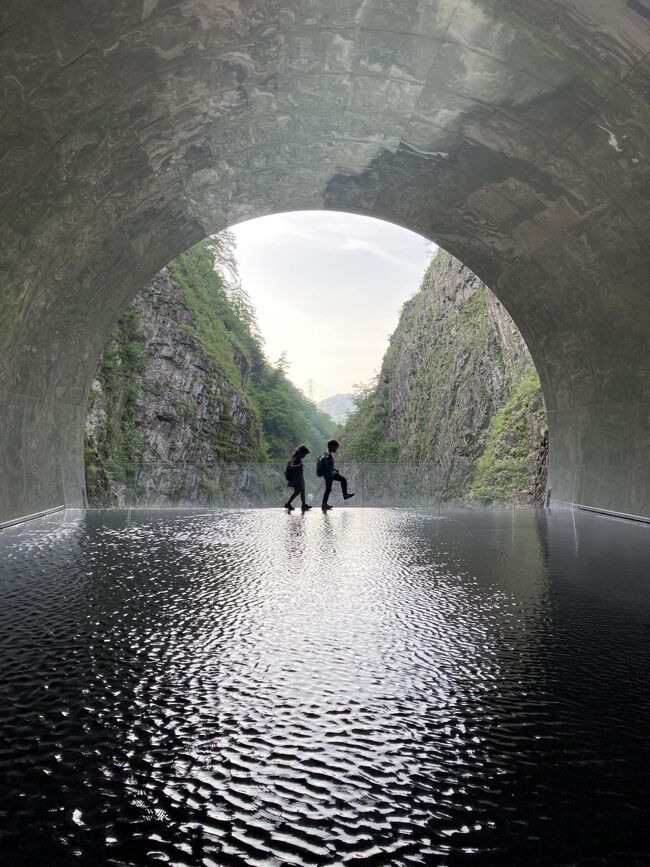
(368, 687)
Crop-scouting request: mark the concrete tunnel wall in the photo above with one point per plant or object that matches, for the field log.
(512, 132)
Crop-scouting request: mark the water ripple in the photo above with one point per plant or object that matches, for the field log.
(367, 687)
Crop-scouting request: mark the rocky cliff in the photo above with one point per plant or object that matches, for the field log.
(457, 403)
(185, 410)
(160, 412)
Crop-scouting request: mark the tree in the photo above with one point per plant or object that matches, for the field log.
(224, 251)
(223, 248)
(282, 364)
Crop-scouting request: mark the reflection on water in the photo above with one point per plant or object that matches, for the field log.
(362, 687)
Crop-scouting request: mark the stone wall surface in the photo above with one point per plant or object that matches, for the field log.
(455, 361)
(515, 134)
(181, 405)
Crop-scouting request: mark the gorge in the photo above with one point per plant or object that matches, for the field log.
(185, 409)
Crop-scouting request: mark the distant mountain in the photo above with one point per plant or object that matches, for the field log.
(338, 407)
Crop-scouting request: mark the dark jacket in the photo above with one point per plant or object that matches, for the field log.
(328, 466)
(295, 473)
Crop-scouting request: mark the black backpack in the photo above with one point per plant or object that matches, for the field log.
(321, 461)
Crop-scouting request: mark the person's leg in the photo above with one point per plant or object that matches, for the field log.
(344, 482)
(296, 492)
(328, 490)
(344, 485)
(302, 495)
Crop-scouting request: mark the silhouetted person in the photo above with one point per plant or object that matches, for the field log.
(330, 474)
(295, 476)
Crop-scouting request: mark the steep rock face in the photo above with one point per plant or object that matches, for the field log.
(186, 409)
(454, 362)
(181, 414)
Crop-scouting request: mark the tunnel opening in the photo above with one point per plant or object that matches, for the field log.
(186, 409)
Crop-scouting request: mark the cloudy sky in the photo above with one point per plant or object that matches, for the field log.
(328, 288)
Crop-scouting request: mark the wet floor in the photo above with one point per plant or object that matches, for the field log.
(367, 687)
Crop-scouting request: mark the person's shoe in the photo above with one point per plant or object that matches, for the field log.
(305, 507)
(326, 507)
(347, 496)
(289, 507)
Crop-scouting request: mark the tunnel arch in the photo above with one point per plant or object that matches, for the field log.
(514, 134)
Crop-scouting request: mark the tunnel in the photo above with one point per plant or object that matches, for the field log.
(514, 133)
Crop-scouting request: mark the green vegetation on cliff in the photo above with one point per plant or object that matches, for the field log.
(254, 413)
(366, 440)
(119, 446)
(184, 388)
(224, 333)
(225, 327)
(457, 395)
(502, 471)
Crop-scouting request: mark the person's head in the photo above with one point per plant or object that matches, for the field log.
(332, 445)
(300, 451)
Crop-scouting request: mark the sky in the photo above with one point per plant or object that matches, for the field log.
(328, 288)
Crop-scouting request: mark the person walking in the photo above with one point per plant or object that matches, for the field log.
(295, 476)
(325, 467)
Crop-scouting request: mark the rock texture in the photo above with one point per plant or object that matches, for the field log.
(180, 409)
(457, 385)
(540, 474)
(186, 409)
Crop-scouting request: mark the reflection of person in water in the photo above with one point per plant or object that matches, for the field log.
(331, 474)
(295, 476)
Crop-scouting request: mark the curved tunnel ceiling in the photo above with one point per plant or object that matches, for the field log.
(512, 132)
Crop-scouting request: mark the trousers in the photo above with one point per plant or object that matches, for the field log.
(335, 477)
